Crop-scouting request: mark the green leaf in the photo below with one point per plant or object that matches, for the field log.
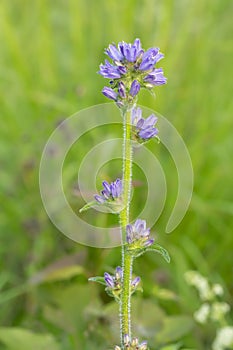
(87, 206)
(136, 251)
(174, 328)
(172, 347)
(113, 207)
(68, 307)
(164, 294)
(64, 273)
(23, 339)
(98, 279)
(160, 250)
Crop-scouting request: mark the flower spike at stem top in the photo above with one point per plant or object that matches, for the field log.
(130, 69)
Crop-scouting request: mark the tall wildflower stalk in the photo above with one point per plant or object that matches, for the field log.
(127, 260)
(131, 69)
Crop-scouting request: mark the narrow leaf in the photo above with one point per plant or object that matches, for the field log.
(172, 347)
(160, 250)
(87, 206)
(23, 339)
(97, 279)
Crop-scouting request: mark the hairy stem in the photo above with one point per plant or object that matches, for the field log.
(124, 220)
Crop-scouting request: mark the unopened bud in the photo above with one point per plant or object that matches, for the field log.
(143, 346)
(134, 342)
(126, 339)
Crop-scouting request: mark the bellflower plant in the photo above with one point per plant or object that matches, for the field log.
(129, 68)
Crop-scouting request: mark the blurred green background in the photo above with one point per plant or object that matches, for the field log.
(50, 53)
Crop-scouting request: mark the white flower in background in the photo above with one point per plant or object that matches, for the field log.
(218, 310)
(217, 289)
(200, 283)
(212, 309)
(224, 339)
(201, 315)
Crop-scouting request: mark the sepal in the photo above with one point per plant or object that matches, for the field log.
(114, 293)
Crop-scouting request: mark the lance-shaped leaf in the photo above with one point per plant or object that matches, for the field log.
(113, 207)
(97, 279)
(87, 206)
(160, 250)
(136, 252)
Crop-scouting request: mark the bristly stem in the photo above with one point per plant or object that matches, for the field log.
(124, 220)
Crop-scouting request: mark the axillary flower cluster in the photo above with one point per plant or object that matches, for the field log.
(129, 70)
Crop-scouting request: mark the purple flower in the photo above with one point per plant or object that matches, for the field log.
(114, 53)
(109, 280)
(109, 93)
(149, 242)
(143, 346)
(122, 90)
(130, 51)
(113, 282)
(111, 191)
(136, 115)
(139, 233)
(133, 344)
(118, 273)
(99, 199)
(116, 188)
(143, 129)
(110, 71)
(148, 133)
(135, 282)
(131, 69)
(150, 58)
(135, 88)
(156, 77)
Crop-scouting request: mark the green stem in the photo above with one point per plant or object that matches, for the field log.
(124, 220)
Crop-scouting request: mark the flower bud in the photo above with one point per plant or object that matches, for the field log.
(135, 88)
(143, 346)
(136, 282)
(121, 90)
(126, 339)
(134, 342)
(109, 93)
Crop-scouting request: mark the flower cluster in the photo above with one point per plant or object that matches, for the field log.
(133, 345)
(138, 241)
(114, 283)
(132, 68)
(143, 129)
(202, 285)
(212, 309)
(111, 191)
(224, 339)
(214, 312)
(138, 234)
(111, 195)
